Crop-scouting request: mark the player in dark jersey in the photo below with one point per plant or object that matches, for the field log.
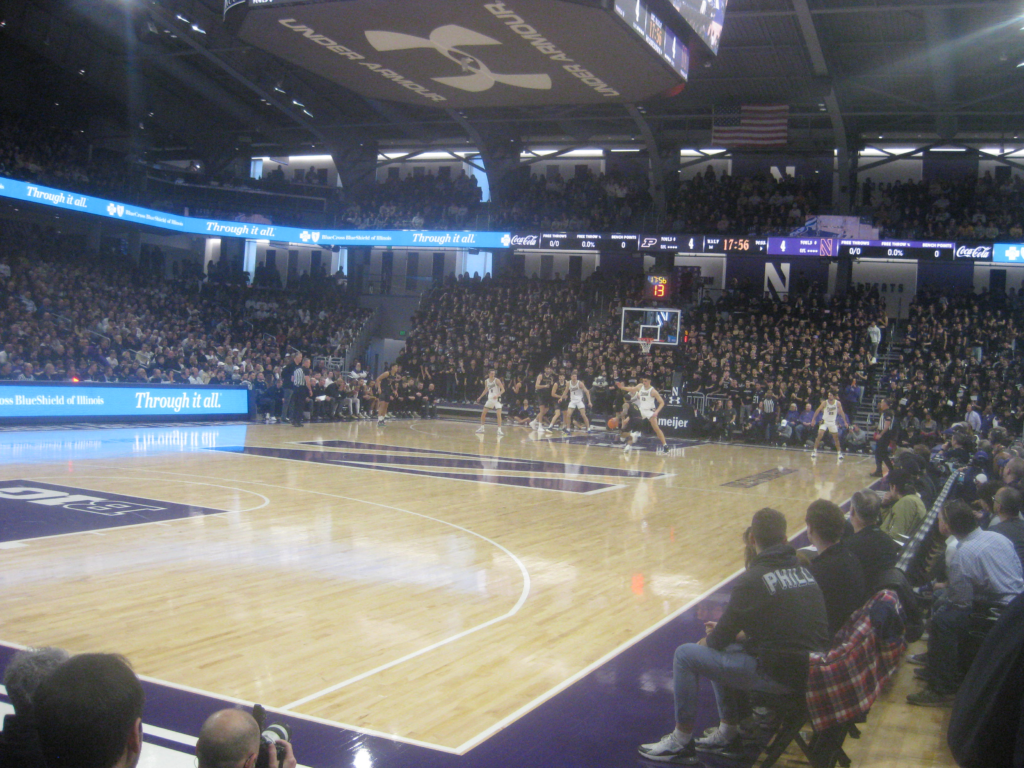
(387, 386)
(542, 391)
(558, 390)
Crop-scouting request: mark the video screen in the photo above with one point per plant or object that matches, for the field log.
(706, 18)
(659, 37)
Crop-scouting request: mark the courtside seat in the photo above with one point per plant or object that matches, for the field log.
(842, 684)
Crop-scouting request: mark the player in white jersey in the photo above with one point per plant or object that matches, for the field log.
(575, 390)
(493, 390)
(646, 407)
(830, 410)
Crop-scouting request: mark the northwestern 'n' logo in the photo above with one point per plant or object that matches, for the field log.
(449, 41)
(451, 465)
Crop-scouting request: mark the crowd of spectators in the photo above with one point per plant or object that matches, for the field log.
(959, 361)
(733, 205)
(57, 157)
(588, 202)
(982, 209)
(970, 209)
(66, 314)
(468, 326)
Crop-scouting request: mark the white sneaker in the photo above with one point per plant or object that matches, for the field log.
(590, 429)
(480, 430)
(500, 433)
(273, 419)
(628, 448)
(669, 750)
(635, 435)
(840, 457)
(534, 424)
(814, 454)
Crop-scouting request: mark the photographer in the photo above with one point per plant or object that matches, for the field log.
(230, 738)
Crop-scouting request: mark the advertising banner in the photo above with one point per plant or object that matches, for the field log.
(72, 201)
(21, 401)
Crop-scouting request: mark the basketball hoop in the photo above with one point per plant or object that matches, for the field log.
(645, 345)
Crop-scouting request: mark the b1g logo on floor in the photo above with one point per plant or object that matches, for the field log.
(96, 505)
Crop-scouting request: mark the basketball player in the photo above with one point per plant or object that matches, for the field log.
(542, 389)
(493, 390)
(558, 390)
(830, 410)
(575, 391)
(387, 385)
(648, 405)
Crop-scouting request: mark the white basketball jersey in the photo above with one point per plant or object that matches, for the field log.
(645, 398)
(493, 389)
(575, 392)
(831, 412)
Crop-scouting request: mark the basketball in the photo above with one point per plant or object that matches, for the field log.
(613, 423)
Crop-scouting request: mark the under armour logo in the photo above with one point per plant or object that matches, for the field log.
(447, 41)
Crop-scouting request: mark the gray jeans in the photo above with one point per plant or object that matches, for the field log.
(729, 671)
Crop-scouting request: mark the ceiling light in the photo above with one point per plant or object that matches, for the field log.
(197, 28)
(279, 89)
(179, 17)
(308, 113)
(81, 71)
(297, 103)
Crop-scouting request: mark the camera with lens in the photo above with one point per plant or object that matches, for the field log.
(270, 738)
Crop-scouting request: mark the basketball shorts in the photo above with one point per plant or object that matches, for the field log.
(576, 405)
(831, 426)
(494, 405)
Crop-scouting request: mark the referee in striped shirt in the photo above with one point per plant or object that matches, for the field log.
(303, 390)
(771, 421)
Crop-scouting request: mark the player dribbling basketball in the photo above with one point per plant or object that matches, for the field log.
(647, 404)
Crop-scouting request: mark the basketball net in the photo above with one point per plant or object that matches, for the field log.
(645, 345)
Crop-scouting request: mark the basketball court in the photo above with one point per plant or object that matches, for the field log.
(420, 586)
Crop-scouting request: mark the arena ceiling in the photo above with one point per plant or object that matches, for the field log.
(171, 77)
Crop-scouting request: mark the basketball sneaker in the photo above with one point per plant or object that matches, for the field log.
(534, 424)
(814, 453)
(840, 457)
(628, 447)
(500, 433)
(480, 431)
(669, 750)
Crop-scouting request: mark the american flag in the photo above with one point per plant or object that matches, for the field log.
(751, 126)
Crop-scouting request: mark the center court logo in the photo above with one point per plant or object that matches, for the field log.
(449, 41)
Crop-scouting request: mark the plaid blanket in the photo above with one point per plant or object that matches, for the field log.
(844, 682)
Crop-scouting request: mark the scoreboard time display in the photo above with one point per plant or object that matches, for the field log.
(659, 287)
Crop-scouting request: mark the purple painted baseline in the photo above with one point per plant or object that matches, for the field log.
(386, 464)
(597, 722)
(524, 465)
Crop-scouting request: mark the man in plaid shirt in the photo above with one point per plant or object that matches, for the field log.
(777, 612)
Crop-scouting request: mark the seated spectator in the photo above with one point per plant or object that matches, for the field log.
(19, 743)
(856, 440)
(836, 569)
(89, 713)
(875, 550)
(983, 567)
(1007, 507)
(905, 508)
(780, 612)
(230, 738)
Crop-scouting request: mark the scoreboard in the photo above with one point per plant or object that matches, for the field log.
(897, 249)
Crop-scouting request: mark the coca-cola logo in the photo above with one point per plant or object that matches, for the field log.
(528, 241)
(978, 252)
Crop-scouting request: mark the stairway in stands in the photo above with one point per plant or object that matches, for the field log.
(867, 412)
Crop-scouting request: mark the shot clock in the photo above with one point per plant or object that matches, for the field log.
(660, 287)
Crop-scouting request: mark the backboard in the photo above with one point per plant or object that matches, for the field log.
(660, 325)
